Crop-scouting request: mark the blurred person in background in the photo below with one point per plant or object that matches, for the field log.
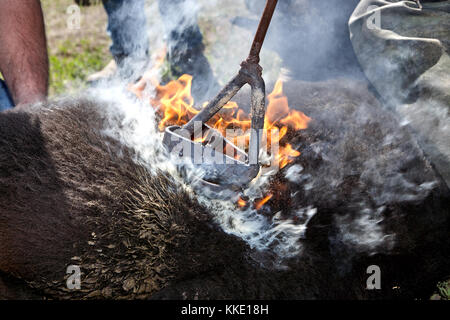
(127, 27)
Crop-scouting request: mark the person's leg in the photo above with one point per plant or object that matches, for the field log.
(6, 101)
(185, 46)
(127, 27)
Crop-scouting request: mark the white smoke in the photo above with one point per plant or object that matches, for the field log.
(431, 120)
(282, 236)
(364, 233)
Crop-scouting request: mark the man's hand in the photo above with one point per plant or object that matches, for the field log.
(23, 50)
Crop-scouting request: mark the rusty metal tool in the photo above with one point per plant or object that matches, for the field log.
(233, 169)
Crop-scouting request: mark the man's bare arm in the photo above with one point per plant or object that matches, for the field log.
(23, 50)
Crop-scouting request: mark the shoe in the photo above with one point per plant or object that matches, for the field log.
(108, 72)
(131, 68)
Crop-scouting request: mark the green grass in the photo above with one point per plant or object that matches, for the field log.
(72, 63)
(444, 289)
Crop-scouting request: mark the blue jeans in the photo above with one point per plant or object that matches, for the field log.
(127, 27)
(6, 101)
(130, 42)
(182, 31)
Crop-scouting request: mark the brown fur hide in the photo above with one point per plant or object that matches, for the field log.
(69, 195)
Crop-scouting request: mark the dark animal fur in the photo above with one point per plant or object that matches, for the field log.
(70, 195)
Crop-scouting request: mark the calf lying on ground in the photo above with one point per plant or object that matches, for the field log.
(71, 195)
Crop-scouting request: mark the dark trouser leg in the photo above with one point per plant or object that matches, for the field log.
(6, 101)
(127, 27)
(185, 46)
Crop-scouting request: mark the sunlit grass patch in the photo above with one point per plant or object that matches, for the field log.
(72, 63)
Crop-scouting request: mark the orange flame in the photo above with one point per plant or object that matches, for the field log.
(176, 107)
(151, 75)
(241, 203)
(262, 202)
